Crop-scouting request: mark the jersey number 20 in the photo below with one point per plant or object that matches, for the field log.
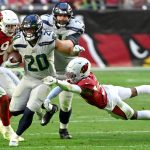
(40, 60)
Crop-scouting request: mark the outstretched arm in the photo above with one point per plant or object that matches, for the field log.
(64, 85)
(69, 87)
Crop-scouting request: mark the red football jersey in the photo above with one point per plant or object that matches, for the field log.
(5, 41)
(93, 92)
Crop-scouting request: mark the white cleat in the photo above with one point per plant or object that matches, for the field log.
(7, 132)
(20, 139)
(14, 141)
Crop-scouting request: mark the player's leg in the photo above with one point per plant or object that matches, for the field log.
(125, 93)
(115, 103)
(35, 101)
(65, 100)
(124, 110)
(18, 104)
(143, 89)
(20, 97)
(120, 108)
(5, 127)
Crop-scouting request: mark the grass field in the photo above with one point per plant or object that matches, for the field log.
(91, 128)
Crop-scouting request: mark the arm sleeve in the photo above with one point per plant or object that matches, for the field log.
(53, 93)
(69, 87)
(74, 38)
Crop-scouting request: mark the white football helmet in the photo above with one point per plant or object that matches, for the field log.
(8, 22)
(77, 69)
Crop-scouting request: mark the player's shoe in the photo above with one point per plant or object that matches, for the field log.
(48, 115)
(64, 134)
(7, 132)
(14, 141)
(21, 139)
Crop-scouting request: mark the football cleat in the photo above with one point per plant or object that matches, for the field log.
(20, 139)
(14, 141)
(64, 134)
(8, 132)
(48, 115)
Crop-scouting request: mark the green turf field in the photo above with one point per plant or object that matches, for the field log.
(91, 128)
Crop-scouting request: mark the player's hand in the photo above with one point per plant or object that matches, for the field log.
(9, 64)
(49, 80)
(78, 49)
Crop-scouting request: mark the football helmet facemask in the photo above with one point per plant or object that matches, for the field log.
(32, 27)
(62, 9)
(77, 69)
(8, 22)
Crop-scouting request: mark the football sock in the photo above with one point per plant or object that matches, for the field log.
(143, 114)
(143, 89)
(4, 110)
(25, 121)
(64, 118)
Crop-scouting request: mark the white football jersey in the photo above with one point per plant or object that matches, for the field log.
(38, 59)
(74, 26)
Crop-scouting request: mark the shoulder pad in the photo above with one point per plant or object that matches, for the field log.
(47, 37)
(47, 20)
(19, 41)
(76, 24)
(17, 36)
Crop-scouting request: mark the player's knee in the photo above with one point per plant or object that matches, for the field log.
(133, 92)
(65, 105)
(65, 108)
(134, 117)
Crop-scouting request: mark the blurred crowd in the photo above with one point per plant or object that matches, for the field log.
(80, 4)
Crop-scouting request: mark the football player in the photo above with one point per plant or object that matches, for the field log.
(36, 47)
(108, 97)
(8, 25)
(65, 26)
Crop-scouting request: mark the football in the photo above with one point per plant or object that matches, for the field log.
(16, 57)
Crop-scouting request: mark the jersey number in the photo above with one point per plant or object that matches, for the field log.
(4, 47)
(40, 60)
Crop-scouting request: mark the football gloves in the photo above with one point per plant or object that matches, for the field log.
(77, 49)
(49, 80)
(9, 64)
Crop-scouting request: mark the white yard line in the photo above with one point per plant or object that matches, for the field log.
(96, 132)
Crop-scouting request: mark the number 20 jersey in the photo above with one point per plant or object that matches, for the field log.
(38, 59)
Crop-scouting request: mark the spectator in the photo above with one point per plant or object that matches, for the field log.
(134, 4)
(16, 4)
